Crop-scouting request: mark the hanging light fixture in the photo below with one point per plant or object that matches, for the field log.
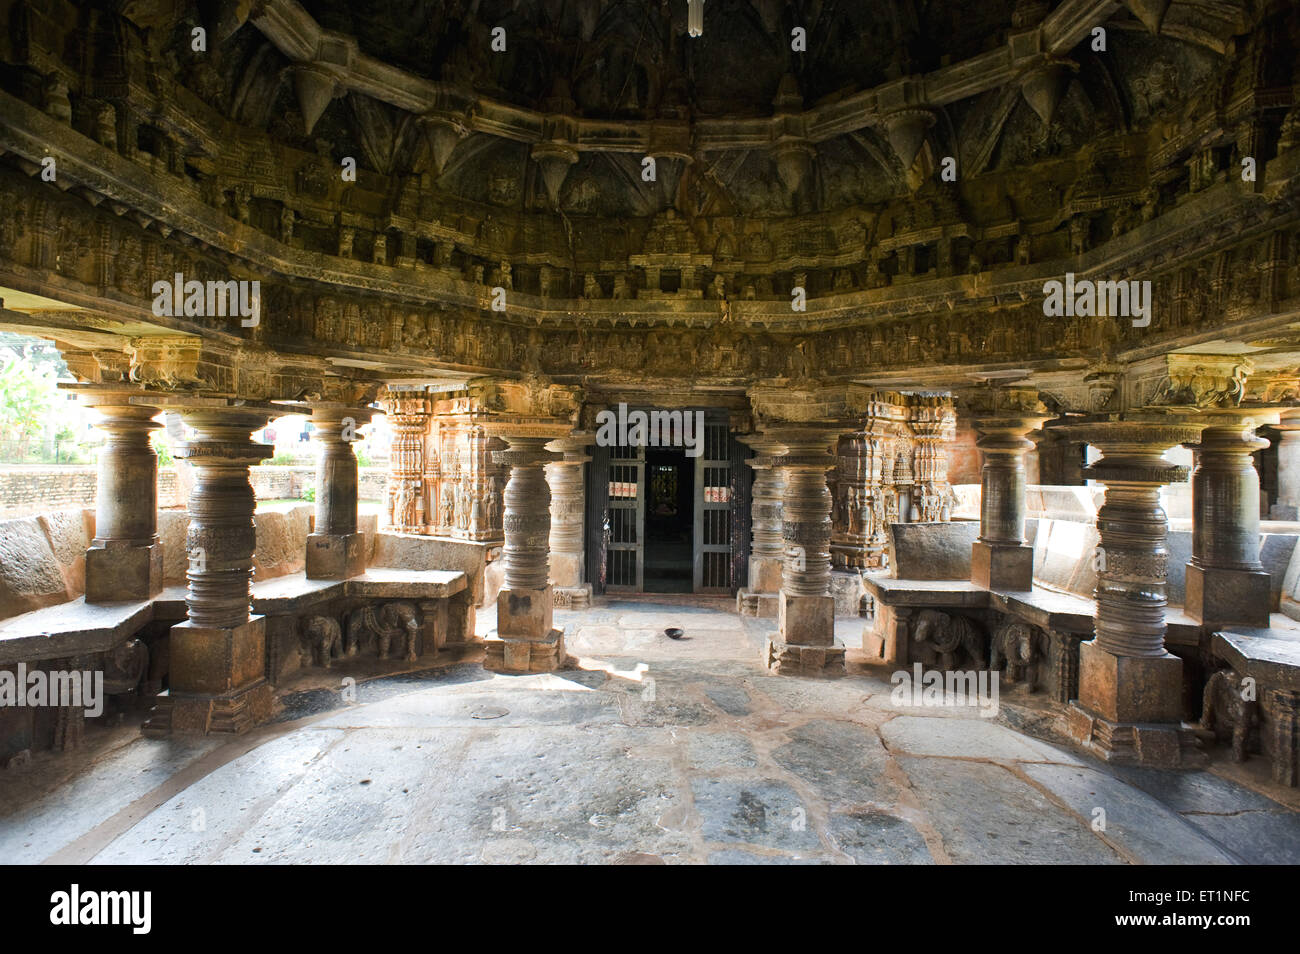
(695, 17)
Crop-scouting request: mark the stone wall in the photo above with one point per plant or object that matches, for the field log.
(35, 490)
(273, 482)
(43, 559)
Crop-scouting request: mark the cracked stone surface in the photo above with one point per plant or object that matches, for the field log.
(651, 751)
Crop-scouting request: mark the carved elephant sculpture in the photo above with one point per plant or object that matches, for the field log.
(390, 621)
(1227, 712)
(395, 619)
(322, 639)
(1021, 649)
(950, 640)
(125, 667)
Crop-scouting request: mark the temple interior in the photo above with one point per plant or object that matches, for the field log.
(884, 416)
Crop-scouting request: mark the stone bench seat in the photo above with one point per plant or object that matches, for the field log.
(1268, 720)
(896, 592)
(71, 629)
(1271, 656)
(1048, 609)
(77, 628)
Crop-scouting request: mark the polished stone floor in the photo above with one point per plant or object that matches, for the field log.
(653, 751)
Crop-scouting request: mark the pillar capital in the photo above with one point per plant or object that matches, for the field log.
(573, 447)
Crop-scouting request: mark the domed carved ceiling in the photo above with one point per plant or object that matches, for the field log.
(777, 169)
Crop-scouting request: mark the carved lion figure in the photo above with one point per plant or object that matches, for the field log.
(1228, 713)
(322, 640)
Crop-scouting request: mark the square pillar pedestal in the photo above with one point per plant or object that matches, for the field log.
(1239, 597)
(526, 639)
(1002, 567)
(335, 556)
(217, 682)
(120, 570)
(1130, 709)
(805, 642)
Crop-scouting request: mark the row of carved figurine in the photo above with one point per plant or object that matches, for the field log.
(393, 624)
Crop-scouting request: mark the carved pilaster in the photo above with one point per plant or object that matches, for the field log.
(408, 418)
(767, 547)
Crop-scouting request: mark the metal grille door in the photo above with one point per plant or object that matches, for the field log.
(713, 512)
(625, 534)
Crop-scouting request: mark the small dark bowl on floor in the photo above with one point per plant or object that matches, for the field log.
(674, 633)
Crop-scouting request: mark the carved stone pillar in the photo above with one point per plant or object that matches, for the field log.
(767, 548)
(218, 656)
(931, 420)
(805, 642)
(526, 639)
(124, 561)
(1226, 582)
(335, 550)
(1000, 558)
(1288, 470)
(568, 497)
(408, 417)
(1130, 687)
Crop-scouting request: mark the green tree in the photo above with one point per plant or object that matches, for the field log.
(26, 397)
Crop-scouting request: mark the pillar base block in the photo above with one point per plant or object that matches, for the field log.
(117, 570)
(1157, 745)
(760, 605)
(229, 714)
(573, 597)
(806, 620)
(506, 654)
(1215, 595)
(787, 659)
(526, 613)
(765, 574)
(1002, 567)
(335, 556)
(1130, 689)
(214, 662)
